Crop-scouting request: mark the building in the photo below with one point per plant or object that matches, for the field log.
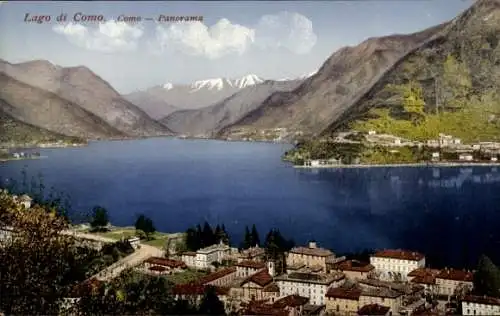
(194, 292)
(246, 268)
(382, 296)
(353, 269)
(258, 286)
(134, 242)
(221, 278)
(374, 310)
(311, 285)
(215, 253)
(433, 143)
(425, 277)
(393, 264)
(480, 305)
(435, 156)
(465, 157)
(310, 256)
(291, 305)
(254, 253)
(397, 141)
(342, 300)
(494, 159)
(322, 162)
(25, 200)
(162, 266)
(449, 281)
(189, 258)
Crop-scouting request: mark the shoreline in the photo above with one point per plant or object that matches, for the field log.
(23, 158)
(403, 165)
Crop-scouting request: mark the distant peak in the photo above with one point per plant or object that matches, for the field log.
(168, 86)
(210, 84)
(247, 80)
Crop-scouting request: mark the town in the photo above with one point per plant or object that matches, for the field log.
(303, 280)
(444, 150)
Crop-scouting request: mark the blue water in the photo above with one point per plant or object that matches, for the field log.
(451, 214)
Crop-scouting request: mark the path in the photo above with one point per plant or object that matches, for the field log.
(136, 258)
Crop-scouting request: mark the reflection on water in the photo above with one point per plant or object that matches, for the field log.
(450, 214)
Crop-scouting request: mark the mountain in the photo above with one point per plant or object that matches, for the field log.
(347, 75)
(160, 101)
(44, 109)
(455, 76)
(211, 119)
(14, 132)
(81, 86)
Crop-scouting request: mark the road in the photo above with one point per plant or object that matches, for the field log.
(130, 261)
(114, 270)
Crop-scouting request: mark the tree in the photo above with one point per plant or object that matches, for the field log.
(211, 304)
(247, 239)
(208, 235)
(146, 225)
(36, 262)
(99, 218)
(199, 236)
(487, 278)
(191, 240)
(255, 236)
(276, 247)
(457, 82)
(413, 101)
(224, 235)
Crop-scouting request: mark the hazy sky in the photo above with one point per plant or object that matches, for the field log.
(273, 40)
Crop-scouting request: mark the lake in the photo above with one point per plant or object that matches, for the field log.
(451, 214)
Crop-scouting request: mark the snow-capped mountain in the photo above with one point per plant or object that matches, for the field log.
(161, 100)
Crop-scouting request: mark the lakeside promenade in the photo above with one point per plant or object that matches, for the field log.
(401, 165)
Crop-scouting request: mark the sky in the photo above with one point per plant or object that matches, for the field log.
(273, 40)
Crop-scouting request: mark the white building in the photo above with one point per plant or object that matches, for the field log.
(215, 253)
(396, 264)
(480, 305)
(450, 280)
(311, 285)
(134, 242)
(189, 258)
(494, 159)
(465, 157)
(435, 156)
(372, 132)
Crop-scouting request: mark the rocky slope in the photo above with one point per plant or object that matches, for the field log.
(14, 132)
(160, 101)
(35, 106)
(213, 118)
(81, 86)
(459, 75)
(348, 74)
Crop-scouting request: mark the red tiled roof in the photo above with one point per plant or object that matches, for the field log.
(271, 288)
(157, 268)
(399, 254)
(196, 289)
(317, 252)
(353, 265)
(291, 301)
(251, 264)
(373, 309)
(264, 309)
(166, 262)
(456, 275)
(216, 275)
(349, 294)
(261, 278)
(423, 272)
(486, 300)
(424, 279)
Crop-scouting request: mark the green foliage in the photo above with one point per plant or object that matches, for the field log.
(457, 83)
(210, 304)
(197, 238)
(276, 247)
(255, 236)
(99, 218)
(487, 278)
(322, 149)
(145, 224)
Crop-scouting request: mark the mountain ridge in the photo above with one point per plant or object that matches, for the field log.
(82, 86)
(345, 75)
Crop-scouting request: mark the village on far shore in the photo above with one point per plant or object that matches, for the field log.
(308, 280)
(445, 150)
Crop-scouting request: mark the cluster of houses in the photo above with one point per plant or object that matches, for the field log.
(317, 282)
